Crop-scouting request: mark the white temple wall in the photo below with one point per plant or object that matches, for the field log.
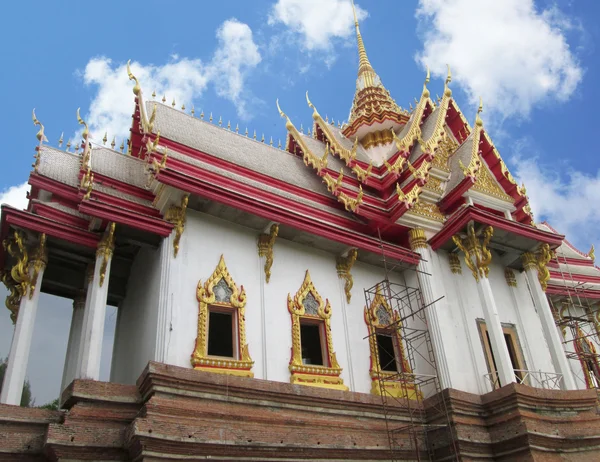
(206, 238)
(467, 359)
(135, 335)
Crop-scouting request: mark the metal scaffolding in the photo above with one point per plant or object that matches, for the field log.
(417, 382)
(574, 316)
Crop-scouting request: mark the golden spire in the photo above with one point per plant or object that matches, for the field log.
(366, 74)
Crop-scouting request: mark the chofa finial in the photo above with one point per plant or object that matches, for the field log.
(136, 88)
(478, 120)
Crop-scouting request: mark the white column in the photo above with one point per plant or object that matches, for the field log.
(14, 376)
(74, 340)
(90, 348)
(504, 366)
(548, 326)
(418, 243)
(478, 258)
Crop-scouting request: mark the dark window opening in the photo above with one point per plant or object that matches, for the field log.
(220, 334)
(489, 345)
(512, 352)
(310, 339)
(387, 353)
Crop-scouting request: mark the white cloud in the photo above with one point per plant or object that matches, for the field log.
(15, 196)
(571, 204)
(182, 79)
(317, 22)
(507, 52)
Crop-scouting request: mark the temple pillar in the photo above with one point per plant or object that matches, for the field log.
(478, 258)
(90, 348)
(418, 243)
(537, 276)
(72, 355)
(18, 357)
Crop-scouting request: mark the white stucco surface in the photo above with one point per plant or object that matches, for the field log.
(159, 318)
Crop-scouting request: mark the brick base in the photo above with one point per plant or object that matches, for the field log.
(175, 413)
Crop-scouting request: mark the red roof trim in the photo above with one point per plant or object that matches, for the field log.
(110, 212)
(285, 212)
(66, 232)
(462, 217)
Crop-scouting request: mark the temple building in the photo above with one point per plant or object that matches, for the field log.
(372, 290)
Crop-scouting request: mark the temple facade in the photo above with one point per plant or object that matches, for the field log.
(372, 290)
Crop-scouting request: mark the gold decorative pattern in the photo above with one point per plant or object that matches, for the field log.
(411, 198)
(439, 133)
(417, 239)
(477, 255)
(446, 148)
(361, 173)
(13, 299)
(17, 280)
(87, 183)
(486, 184)
(265, 248)
(41, 138)
(378, 138)
(592, 253)
(106, 247)
(428, 210)
(351, 204)
(241, 365)
(344, 266)
(310, 159)
(434, 185)
(475, 163)
(85, 163)
(137, 91)
(176, 215)
(38, 262)
(454, 261)
(380, 318)
(539, 262)
(346, 155)
(544, 255)
(509, 275)
(327, 376)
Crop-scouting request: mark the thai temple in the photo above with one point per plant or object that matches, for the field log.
(372, 290)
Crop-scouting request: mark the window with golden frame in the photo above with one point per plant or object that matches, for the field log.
(221, 342)
(390, 371)
(512, 344)
(588, 359)
(311, 319)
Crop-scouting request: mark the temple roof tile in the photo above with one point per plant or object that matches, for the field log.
(119, 166)
(59, 165)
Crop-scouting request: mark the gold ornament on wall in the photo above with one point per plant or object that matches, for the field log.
(308, 305)
(539, 261)
(265, 248)
(454, 261)
(344, 266)
(509, 275)
(176, 215)
(475, 249)
(381, 319)
(221, 292)
(105, 250)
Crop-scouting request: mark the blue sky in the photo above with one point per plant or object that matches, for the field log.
(535, 64)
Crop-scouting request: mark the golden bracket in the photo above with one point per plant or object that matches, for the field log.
(265, 248)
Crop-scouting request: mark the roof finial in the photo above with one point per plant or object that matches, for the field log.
(478, 120)
(40, 134)
(365, 70)
(105, 139)
(61, 140)
(447, 91)
(136, 88)
(427, 78)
